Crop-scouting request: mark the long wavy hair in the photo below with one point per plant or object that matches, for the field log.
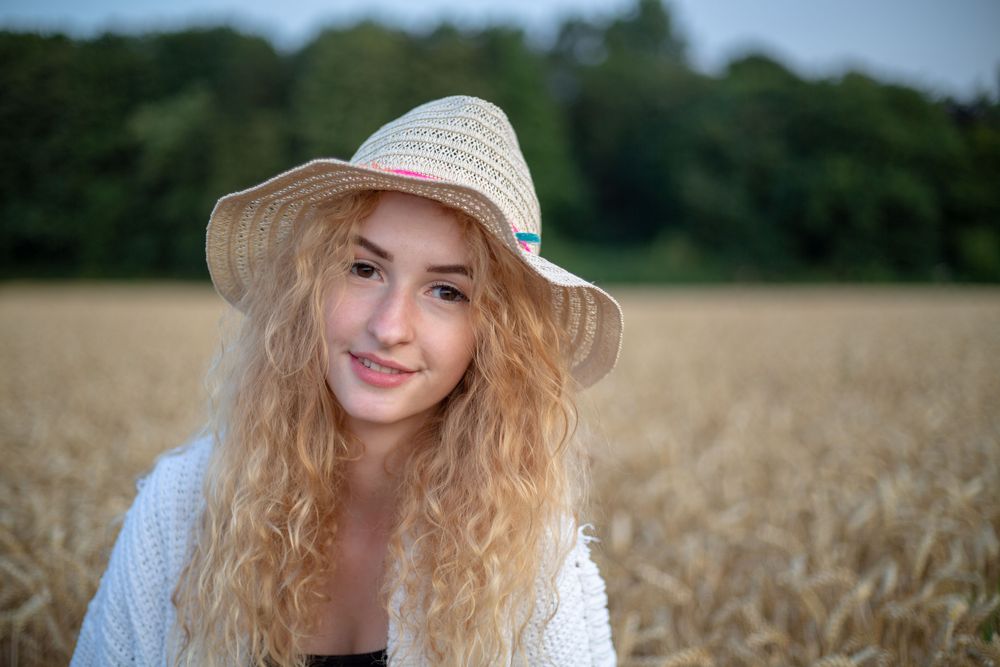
(486, 490)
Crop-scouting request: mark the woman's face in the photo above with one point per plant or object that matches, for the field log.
(398, 328)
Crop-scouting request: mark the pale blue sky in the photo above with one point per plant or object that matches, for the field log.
(942, 46)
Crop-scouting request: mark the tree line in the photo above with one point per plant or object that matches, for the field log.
(116, 148)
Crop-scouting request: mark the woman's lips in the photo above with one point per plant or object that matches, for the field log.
(379, 372)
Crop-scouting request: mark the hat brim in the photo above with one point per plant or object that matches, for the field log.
(246, 225)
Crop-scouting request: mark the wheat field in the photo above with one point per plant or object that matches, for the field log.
(782, 476)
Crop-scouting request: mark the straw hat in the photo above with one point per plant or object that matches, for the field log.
(460, 151)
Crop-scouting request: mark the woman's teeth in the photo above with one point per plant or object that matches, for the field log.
(368, 363)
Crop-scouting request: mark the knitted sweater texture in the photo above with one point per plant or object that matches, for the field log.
(131, 619)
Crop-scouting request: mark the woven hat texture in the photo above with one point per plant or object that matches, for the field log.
(460, 151)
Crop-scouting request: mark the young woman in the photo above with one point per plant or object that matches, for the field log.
(391, 473)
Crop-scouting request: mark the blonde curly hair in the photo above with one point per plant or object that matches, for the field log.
(486, 489)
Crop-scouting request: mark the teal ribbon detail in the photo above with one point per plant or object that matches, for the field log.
(528, 237)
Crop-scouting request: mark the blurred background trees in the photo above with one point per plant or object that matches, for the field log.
(116, 148)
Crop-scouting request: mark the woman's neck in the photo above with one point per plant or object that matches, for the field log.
(371, 489)
(371, 478)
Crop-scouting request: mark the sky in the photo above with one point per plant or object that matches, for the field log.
(945, 47)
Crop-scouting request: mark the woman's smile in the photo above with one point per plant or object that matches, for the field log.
(379, 374)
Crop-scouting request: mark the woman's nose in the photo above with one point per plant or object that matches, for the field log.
(391, 323)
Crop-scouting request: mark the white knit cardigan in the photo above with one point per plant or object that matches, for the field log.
(131, 619)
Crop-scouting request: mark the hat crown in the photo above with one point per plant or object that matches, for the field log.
(464, 141)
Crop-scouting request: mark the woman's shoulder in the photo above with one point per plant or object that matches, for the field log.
(129, 618)
(182, 465)
(175, 483)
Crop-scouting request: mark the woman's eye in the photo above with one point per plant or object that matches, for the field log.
(448, 293)
(363, 270)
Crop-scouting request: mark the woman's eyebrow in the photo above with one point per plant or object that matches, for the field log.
(450, 268)
(373, 248)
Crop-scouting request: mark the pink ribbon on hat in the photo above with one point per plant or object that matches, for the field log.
(403, 172)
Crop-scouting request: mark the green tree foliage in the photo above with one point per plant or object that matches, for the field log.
(842, 175)
(64, 151)
(628, 87)
(122, 145)
(972, 203)
(117, 147)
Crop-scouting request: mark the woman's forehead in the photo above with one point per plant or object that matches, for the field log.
(403, 224)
